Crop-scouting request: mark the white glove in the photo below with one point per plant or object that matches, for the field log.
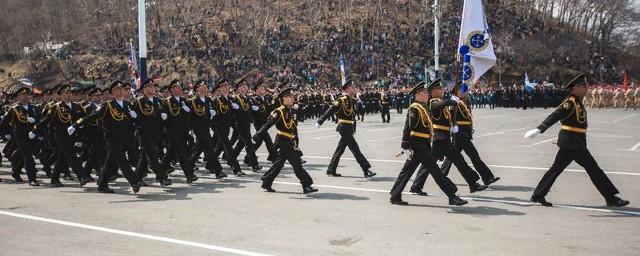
(133, 114)
(455, 98)
(253, 141)
(186, 109)
(212, 112)
(295, 106)
(532, 134)
(408, 153)
(455, 129)
(163, 116)
(32, 135)
(8, 136)
(71, 130)
(235, 106)
(318, 125)
(31, 120)
(78, 144)
(255, 108)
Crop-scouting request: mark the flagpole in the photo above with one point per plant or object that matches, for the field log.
(142, 40)
(436, 39)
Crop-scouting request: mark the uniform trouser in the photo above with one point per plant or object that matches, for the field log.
(347, 140)
(360, 114)
(234, 136)
(399, 108)
(584, 158)
(151, 155)
(244, 135)
(178, 147)
(386, 116)
(472, 152)
(446, 148)
(205, 144)
(266, 138)
(25, 146)
(223, 144)
(67, 158)
(300, 113)
(286, 152)
(424, 157)
(95, 159)
(115, 159)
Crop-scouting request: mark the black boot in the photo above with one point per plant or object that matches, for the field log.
(541, 200)
(309, 189)
(456, 200)
(616, 202)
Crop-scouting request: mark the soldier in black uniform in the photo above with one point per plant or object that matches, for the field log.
(243, 107)
(572, 143)
(19, 122)
(399, 101)
(361, 106)
(222, 123)
(443, 124)
(149, 125)
(416, 146)
(265, 106)
(345, 108)
(93, 134)
(59, 117)
(462, 139)
(117, 123)
(178, 125)
(286, 143)
(384, 107)
(201, 117)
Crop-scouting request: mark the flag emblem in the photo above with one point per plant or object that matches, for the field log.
(477, 41)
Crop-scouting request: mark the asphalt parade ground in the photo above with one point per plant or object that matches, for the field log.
(350, 215)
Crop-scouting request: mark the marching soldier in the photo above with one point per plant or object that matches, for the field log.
(263, 102)
(443, 125)
(286, 143)
(243, 125)
(93, 134)
(178, 130)
(19, 122)
(399, 99)
(62, 115)
(416, 146)
(462, 139)
(149, 124)
(201, 117)
(572, 143)
(344, 108)
(384, 106)
(222, 122)
(117, 123)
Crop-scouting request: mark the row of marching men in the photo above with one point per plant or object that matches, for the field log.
(69, 129)
(151, 132)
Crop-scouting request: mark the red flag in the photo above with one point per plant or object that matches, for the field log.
(625, 81)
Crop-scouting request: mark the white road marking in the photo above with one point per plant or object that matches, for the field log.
(501, 132)
(625, 118)
(480, 199)
(134, 234)
(541, 142)
(490, 165)
(634, 148)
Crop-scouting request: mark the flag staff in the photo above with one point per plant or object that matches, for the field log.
(436, 39)
(142, 40)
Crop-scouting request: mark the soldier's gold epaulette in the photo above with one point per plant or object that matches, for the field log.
(568, 102)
